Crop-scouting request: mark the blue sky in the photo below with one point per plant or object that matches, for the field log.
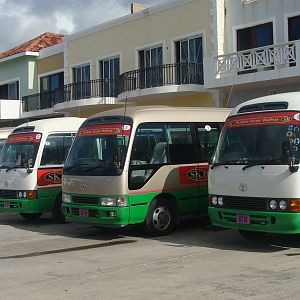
(22, 20)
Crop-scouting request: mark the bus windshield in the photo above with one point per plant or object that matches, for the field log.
(19, 150)
(99, 150)
(267, 138)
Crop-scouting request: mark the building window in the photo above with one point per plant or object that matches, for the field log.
(109, 73)
(10, 91)
(151, 70)
(82, 85)
(254, 37)
(294, 28)
(49, 89)
(189, 57)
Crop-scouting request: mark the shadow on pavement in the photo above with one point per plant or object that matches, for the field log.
(192, 231)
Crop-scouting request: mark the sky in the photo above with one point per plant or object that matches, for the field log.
(22, 20)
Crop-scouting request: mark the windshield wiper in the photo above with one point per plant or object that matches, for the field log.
(262, 162)
(98, 167)
(229, 162)
(74, 166)
(13, 167)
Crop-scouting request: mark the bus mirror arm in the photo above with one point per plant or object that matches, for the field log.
(25, 162)
(287, 150)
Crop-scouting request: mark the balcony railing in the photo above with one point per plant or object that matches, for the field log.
(74, 91)
(264, 58)
(170, 74)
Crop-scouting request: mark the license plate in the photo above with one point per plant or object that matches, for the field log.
(243, 219)
(83, 212)
(6, 205)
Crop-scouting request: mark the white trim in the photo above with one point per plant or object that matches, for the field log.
(285, 24)
(47, 74)
(52, 50)
(11, 57)
(188, 36)
(80, 64)
(144, 13)
(106, 57)
(156, 44)
(252, 24)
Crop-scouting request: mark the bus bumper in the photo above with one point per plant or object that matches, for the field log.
(273, 222)
(19, 206)
(106, 216)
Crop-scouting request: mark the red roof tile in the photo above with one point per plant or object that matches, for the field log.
(45, 40)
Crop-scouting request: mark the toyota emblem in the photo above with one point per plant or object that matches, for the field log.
(243, 187)
(83, 186)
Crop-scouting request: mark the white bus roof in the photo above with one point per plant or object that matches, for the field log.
(292, 100)
(168, 114)
(53, 125)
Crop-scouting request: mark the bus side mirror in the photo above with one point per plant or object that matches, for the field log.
(25, 162)
(287, 155)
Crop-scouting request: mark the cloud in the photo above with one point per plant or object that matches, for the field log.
(22, 20)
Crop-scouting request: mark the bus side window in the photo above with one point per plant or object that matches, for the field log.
(208, 134)
(181, 146)
(55, 149)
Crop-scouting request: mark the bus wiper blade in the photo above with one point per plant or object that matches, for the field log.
(263, 162)
(13, 167)
(223, 163)
(74, 166)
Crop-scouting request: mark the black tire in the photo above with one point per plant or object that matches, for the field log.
(31, 217)
(252, 235)
(57, 211)
(160, 218)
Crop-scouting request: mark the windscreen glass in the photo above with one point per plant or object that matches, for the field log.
(269, 138)
(99, 150)
(20, 150)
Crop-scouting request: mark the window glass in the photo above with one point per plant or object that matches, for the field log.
(208, 134)
(56, 149)
(294, 28)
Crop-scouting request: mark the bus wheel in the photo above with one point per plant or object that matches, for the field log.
(160, 219)
(57, 211)
(31, 217)
(252, 235)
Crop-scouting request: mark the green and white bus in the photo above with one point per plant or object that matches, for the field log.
(31, 163)
(148, 166)
(254, 176)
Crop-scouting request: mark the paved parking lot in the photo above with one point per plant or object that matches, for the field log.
(45, 260)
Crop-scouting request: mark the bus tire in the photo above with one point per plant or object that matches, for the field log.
(161, 218)
(31, 217)
(252, 235)
(57, 211)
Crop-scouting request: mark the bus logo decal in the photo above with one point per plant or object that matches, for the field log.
(53, 177)
(193, 174)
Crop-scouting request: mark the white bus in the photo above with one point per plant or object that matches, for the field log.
(31, 163)
(148, 166)
(254, 176)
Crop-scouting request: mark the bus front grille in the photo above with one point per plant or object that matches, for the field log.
(85, 200)
(245, 203)
(7, 194)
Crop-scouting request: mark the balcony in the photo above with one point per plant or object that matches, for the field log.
(275, 62)
(71, 96)
(162, 80)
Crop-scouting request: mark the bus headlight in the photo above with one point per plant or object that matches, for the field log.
(31, 195)
(114, 201)
(66, 198)
(220, 201)
(273, 204)
(283, 205)
(214, 200)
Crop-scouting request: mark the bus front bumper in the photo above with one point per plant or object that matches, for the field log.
(106, 216)
(19, 206)
(273, 222)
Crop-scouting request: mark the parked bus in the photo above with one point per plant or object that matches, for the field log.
(254, 176)
(4, 132)
(146, 166)
(31, 164)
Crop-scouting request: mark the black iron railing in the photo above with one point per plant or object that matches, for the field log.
(170, 74)
(74, 91)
